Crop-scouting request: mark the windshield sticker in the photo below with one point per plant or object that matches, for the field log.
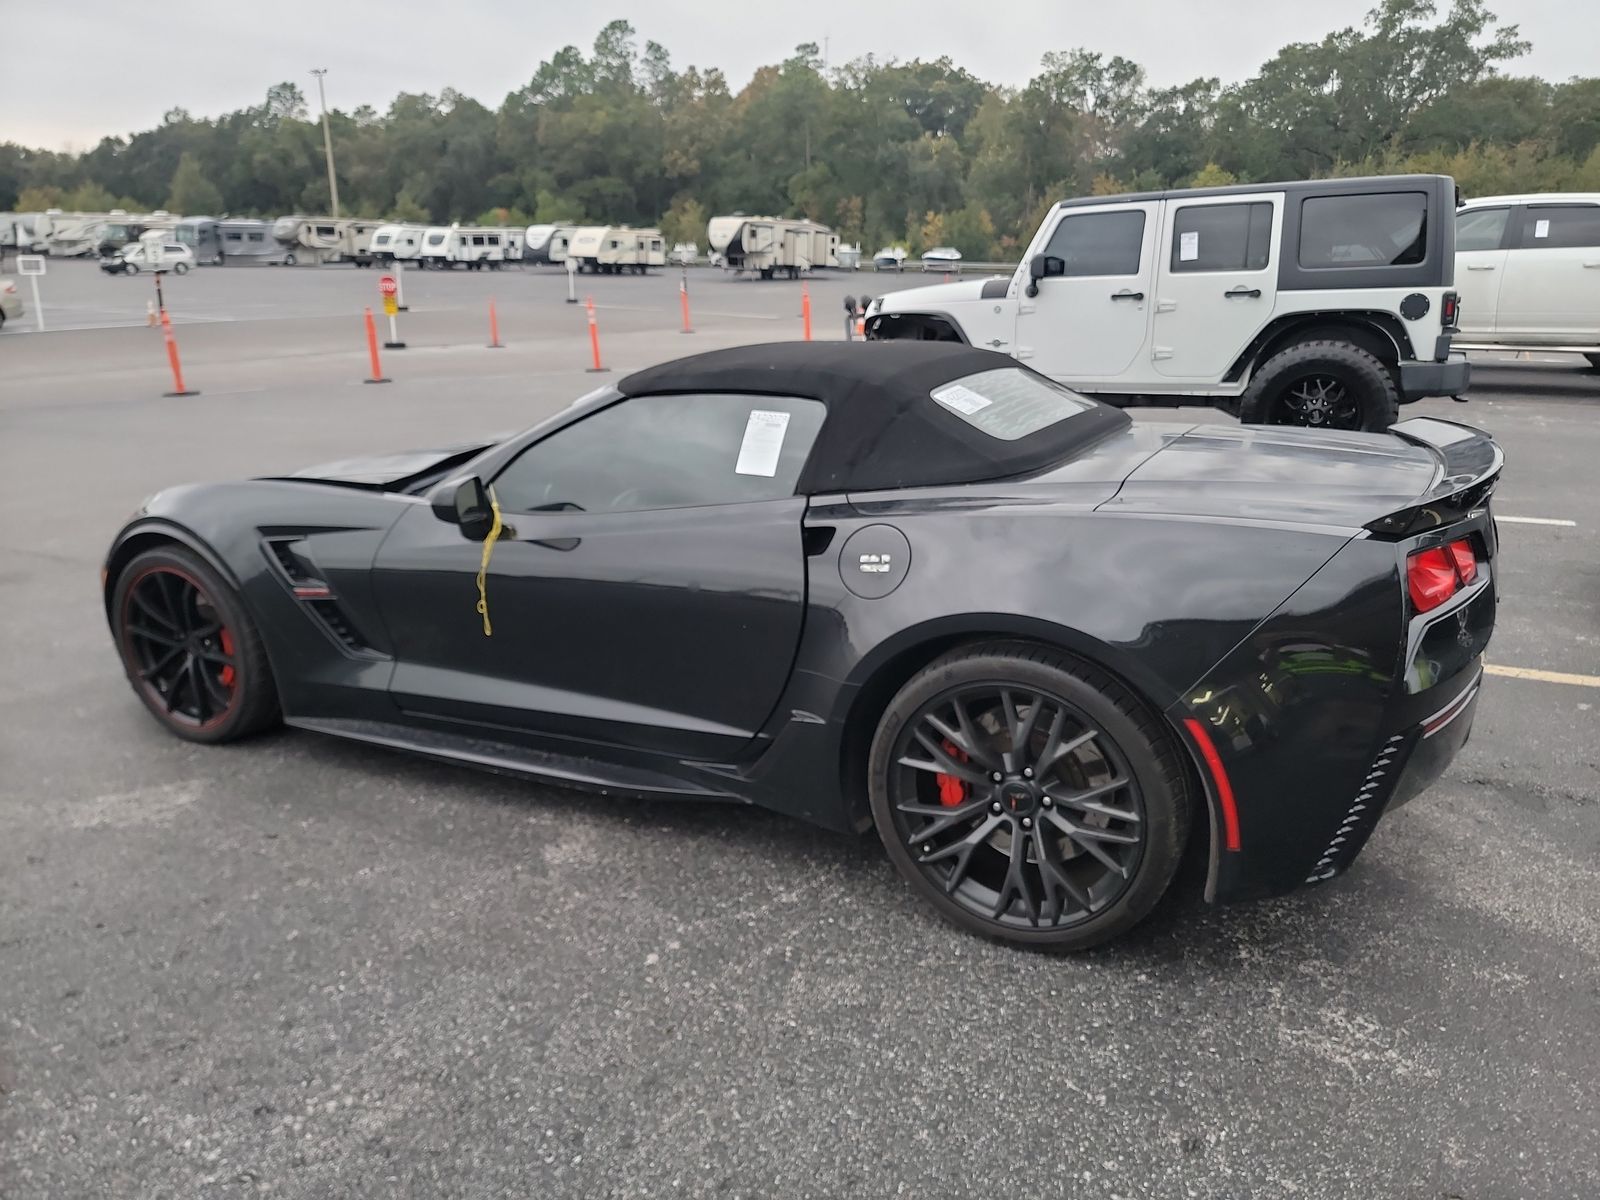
(1009, 403)
(1541, 229)
(963, 399)
(763, 443)
(1189, 246)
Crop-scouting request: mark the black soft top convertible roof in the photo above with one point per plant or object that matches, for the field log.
(883, 428)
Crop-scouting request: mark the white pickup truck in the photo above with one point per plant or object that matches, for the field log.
(1528, 269)
(1324, 303)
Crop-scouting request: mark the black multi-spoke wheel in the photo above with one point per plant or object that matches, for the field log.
(1322, 385)
(189, 649)
(1028, 795)
(1318, 401)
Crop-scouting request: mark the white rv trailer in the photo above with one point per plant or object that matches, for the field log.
(615, 249)
(308, 239)
(546, 243)
(246, 240)
(473, 246)
(401, 241)
(768, 245)
(355, 241)
(72, 235)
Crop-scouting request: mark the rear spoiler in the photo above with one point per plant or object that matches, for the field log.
(1469, 467)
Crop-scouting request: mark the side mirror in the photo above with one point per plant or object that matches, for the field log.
(1043, 266)
(466, 505)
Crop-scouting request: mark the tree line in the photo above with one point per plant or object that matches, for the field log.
(919, 153)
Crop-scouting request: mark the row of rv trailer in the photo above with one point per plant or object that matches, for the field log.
(764, 246)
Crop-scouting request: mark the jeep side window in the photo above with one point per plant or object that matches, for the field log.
(1106, 243)
(1481, 228)
(1549, 226)
(1385, 229)
(1222, 237)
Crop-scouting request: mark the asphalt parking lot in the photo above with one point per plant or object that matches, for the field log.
(301, 968)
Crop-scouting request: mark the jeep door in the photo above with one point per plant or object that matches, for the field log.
(1090, 319)
(1217, 281)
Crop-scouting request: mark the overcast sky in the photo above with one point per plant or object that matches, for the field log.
(126, 64)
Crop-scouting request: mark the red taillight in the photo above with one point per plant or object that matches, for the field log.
(1436, 574)
(1450, 309)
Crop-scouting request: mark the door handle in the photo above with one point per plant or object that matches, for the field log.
(1594, 266)
(1127, 295)
(1253, 293)
(1480, 267)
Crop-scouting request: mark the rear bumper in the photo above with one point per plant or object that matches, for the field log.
(1448, 378)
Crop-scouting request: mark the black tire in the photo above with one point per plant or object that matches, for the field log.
(1124, 739)
(130, 269)
(224, 678)
(1322, 385)
(289, 260)
(1594, 361)
(180, 268)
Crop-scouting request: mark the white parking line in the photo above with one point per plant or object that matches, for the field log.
(1592, 681)
(1562, 521)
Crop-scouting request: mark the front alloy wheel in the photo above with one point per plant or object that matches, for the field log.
(190, 649)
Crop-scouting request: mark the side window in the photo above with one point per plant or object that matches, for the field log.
(1551, 226)
(1386, 229)
(680, 451)
(1222, 237)
(1105, 243)
(1481, 228)
(258, 237)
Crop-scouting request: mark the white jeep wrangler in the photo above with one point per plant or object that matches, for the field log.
(1326, 303)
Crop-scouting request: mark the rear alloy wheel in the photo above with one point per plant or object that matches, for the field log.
(180, 268)
(1322, 385)
(190, 650)
(1028, 796)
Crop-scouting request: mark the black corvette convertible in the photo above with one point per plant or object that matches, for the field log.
(912, 586)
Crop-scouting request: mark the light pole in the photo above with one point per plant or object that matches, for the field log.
(327, 140)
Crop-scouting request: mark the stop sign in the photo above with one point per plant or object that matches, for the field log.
(387, 285)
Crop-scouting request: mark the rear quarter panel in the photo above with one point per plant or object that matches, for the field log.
(1158, 602)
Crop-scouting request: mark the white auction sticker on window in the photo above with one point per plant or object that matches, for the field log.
(763, 443)
(1541, 229)
(962, 399)
(1189, 246)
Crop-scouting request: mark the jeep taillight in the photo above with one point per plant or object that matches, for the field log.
(1450, 309)
(1439, 572)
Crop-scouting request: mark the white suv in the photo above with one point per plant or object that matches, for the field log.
(1528, 268)
(1325, 303)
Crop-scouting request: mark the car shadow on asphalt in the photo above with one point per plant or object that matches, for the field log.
(1181, 926)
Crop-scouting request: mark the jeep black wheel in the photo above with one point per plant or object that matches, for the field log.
(1322, 385)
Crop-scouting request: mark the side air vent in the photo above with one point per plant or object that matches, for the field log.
(1362, 816)
(321, 603)
(333, 618)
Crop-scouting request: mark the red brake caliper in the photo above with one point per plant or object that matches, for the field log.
(225, 676)
(952, 791)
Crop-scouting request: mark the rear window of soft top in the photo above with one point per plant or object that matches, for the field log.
(1009, 403)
